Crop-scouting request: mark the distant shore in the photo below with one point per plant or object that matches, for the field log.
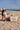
(13, 9)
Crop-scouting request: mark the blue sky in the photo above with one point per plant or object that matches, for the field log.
(10, 4)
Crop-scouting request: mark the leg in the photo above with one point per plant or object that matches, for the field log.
(8, 19)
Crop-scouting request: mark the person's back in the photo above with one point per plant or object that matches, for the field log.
(5, 14)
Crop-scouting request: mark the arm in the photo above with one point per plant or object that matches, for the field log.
(5, 15)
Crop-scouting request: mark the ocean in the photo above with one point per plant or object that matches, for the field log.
(13, 9)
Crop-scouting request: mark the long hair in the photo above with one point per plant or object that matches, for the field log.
(2, 12)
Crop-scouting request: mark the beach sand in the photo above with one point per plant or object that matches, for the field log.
(17, 13)
(14, 25)
(9, 25)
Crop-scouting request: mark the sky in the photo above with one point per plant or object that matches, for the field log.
(10, 4)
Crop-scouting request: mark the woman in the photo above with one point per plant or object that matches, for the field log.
(5, 15)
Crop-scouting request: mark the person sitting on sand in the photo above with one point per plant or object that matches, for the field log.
(5, 15)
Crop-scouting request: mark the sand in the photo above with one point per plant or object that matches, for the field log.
(9, 25)
(17, 13)
(14, 25)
